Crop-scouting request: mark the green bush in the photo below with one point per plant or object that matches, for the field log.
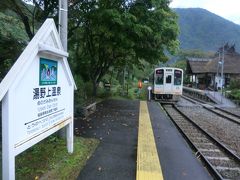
(235, 94)
(234, 89)
(104, 93)
(234, 84)
(144, 93)
(83, 94)
(88, 89)
(79, 94)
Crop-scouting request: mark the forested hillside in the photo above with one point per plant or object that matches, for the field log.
(201, 29)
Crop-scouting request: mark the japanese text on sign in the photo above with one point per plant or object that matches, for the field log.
(39, 93)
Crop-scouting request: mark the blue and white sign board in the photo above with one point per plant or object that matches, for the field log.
(37, 97)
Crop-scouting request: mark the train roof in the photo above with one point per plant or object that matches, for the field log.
(168, 68)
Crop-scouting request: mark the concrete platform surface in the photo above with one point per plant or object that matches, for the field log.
(115, 124)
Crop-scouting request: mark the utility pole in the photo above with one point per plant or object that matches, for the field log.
(217, 76)
(63, 22)
(124, 80)
(219, 59)
(63, 32)
(222, 69)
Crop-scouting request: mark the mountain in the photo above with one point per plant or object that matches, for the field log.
(201, 29)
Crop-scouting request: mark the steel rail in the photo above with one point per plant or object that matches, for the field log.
(230, 153)
(195, 100)
(226, 111)
(211, 169)
(222, 115)
(227, 150)
(217, 108)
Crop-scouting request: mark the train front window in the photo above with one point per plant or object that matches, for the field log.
(169, 79)
(159, 77)
(177, 77)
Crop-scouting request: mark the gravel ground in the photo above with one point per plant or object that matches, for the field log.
(184, 102)
(233, 110)
(224, 130)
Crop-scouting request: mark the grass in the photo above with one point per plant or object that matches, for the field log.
(116, 92)
(49, 159)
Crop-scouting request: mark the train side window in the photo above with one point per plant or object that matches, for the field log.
(169, 79)
(177, 77)
(159, 77)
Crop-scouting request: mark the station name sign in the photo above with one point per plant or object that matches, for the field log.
(37, 97)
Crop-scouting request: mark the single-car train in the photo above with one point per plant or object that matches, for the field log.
(167, 83)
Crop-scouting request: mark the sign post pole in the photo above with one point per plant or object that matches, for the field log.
(149, 93)
(63, 22)
(69, 131)
(63, 30)
(8, 157)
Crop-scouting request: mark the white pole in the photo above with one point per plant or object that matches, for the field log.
(63, 31)
(222, 69)
(8, 156)
(63, 22)
(219, 59)
(149, 93)
(59, 16)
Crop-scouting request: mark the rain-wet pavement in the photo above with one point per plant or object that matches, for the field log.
(115, 124)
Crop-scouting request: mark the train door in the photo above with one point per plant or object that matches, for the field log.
(168, 83)
(158, 82)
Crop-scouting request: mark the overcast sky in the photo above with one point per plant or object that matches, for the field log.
(228, 9)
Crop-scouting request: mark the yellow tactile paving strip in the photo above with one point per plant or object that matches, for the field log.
(148, 165)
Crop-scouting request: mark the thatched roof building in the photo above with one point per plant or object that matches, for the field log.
(200, 66)
(206, 70)
(197, 66)
(231, 64)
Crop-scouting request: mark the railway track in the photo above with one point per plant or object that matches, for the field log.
(225, 114)
(221, 161)
(219, 111)
(196, 101)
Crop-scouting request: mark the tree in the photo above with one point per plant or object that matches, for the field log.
(107, 33)
(195, 53)
(122, 33)
(31, 12)
(12, 41)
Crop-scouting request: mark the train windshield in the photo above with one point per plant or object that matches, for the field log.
(159, 76)
(177, 77)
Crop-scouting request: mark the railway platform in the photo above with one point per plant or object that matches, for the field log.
(217, 97)
(221, 100)
(137, 141)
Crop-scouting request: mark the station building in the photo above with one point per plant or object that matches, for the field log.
(207, 73)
